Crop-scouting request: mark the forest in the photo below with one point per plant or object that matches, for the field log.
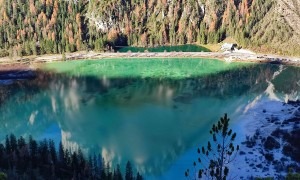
(43, 160)
(51, 26)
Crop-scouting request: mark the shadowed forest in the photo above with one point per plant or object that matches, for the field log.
(20, 159)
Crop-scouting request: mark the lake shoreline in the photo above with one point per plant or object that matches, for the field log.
(225, 56)
(20, 67)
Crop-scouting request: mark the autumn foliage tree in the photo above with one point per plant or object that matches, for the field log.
(42, 26)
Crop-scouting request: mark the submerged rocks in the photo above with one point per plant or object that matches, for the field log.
(279, 133)
(295, 120)
(271, 143)
(292, 147)
(269, 157)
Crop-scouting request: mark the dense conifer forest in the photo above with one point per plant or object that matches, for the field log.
(53, 26)
(41, 160)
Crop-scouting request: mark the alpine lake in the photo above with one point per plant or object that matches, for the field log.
(153, 112)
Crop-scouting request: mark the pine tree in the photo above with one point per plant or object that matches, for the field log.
(61, 154)
(75, 165)
(139, 177)
(128, 173)
(218, 156)
(201, 34)
(81, 159)
(102, 169)
(35, 160)
(21, 143)
(13, 142)
(52, 151)
(44, 151)
(33, 147)
(7, 145)
(33, 48)
(117, 173)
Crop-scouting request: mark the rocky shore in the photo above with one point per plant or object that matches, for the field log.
(271, 146)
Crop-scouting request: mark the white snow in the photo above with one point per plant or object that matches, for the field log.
(253, 162)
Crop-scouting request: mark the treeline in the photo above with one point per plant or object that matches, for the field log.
(154, 22)
(41, 26)
(173, 22)
(253, 23)
(31, 27)
(35, 27)
(41, 160)
(58, 26)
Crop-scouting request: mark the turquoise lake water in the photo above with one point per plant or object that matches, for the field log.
(153, 112)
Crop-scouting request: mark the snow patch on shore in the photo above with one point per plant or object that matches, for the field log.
(258, 121)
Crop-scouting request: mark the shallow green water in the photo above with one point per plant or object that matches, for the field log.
(174, 68)
(153, 112)
(181, 48)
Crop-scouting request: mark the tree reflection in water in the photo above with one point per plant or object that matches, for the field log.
(151, 121)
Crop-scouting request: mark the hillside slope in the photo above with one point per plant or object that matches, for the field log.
(279, 30)
(53, 26)
(265, 25)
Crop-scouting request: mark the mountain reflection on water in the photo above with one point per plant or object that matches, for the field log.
(152, 122)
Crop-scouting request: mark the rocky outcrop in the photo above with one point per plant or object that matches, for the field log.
(271, 143)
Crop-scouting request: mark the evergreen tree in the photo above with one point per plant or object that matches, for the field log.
(13, 143)
(139, 177)
(102, 169)
(33, 149)
(61, 154)
(128, 173)
(43, 150)
(201, 34)
(33, 48)
(75, 165)
(7, 145)
(117, 173)
(68, 160)
(81, 159)
(218, 156)
(52, 151)
(37, 159)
